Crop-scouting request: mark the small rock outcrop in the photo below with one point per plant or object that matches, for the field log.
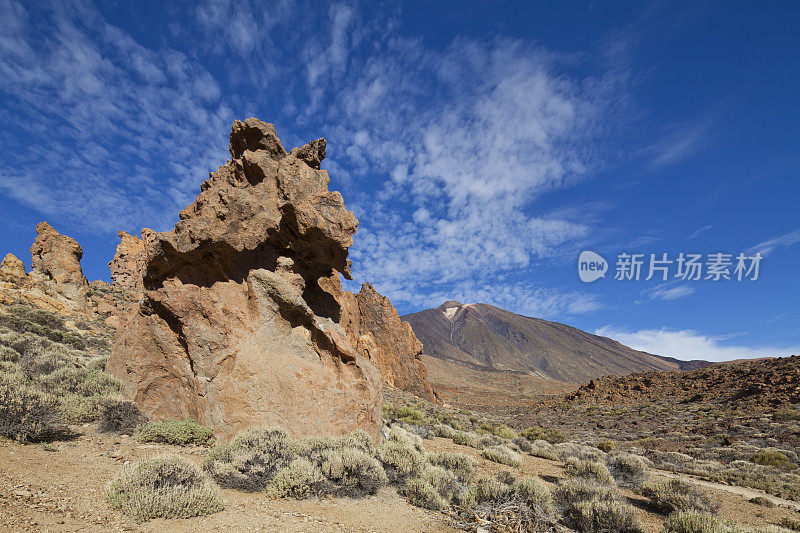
(233, 328)
(56, 262)
(12, 269)
(127, 267)
(375, 329)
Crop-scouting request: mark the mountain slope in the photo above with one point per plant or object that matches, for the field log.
(487, 337)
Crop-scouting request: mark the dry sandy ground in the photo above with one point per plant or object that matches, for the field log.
(487, 390)
(63, 490)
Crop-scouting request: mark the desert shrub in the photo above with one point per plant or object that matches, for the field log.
(29, 415)
(606, 445)
(771, 457)
(502, 431)
(119, 416)
(177, 432)
(677, 495)
(463, 466)
(402, 455)
(551, 435)
(566, 450)
(790, 523)
(351, 472)
(786, 415)
(164, 487)
(503, 455)
(570, 491)
(297, 480)
(443, 430)
(523, 444)
(542, 448)
(694, 522)
(422, 494)
(7, 353)
(761, 500)
(627, 469)
(587, 469)
(536, 496)
(466, 438)
(489, 489)
(251, 459)
(404, 413)
(600, 516)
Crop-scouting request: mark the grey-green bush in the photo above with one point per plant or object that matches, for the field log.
(588, 469)
(177, 432)
(503, 455)
(627, 469)
(678, 495)
(601, 516)
(163, 487)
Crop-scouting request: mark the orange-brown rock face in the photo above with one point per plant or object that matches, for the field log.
(56, 261)
(233, 328)
(127, 267)
(375, 329)
(12, 269)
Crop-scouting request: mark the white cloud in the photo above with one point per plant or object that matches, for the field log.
(689, 344)
(767, 247)
(663, 292)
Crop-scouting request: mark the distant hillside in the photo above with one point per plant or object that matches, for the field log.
(482, 336)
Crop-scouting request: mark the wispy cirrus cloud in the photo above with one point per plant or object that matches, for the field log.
(445, 175)
(782, 241)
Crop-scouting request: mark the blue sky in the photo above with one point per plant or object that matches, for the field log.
(482, 145)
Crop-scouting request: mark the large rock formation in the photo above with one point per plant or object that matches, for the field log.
(375, 329)
(56, 262)
(233, 328)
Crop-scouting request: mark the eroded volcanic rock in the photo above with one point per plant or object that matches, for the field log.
(375, 329)
(56, 262)
(12, 268)
(233, 328)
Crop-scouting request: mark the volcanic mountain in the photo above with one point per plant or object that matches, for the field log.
(485, 337)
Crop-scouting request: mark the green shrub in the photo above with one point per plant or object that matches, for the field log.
(523, 444)
(463, 466)
(404, 413)
(119, 416)
(466, 438)
(503, 455)
(503, 431)
(297, 480)
(601, 516)
(177, 432)
(29, 415)
(570, 491)
(542, 448)
(402, 458)
(422, 494)
(251, 459)
(551, 435)
(489, 489)
(627, 469)
(536, 496)
(164, 487)
(9, 354)
(587, 469)
(607, 445)
(694, 522)
(351, 472)
(677, 495)
(443, 430)
(770, 457)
